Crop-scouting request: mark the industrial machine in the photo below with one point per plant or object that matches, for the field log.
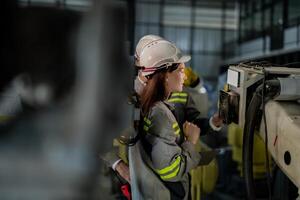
(264, 98)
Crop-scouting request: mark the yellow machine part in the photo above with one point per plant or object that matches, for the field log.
(122, 150)
(203, 178)
(235, 139)
(190, 75)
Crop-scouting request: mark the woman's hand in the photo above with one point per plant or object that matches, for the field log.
(191, 132)
(123, 170)
(217, 120)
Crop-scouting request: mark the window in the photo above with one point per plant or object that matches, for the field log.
(277, 14)
(293, 10)
(257, 22)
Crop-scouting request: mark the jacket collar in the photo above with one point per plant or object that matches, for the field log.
(169, 104)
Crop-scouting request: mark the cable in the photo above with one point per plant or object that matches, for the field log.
(249, 129)
(292, 64)
(258, 99)
(266, 137)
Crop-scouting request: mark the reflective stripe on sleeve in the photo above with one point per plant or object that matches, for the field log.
(172, 175)
(170, 171)
(171, 167)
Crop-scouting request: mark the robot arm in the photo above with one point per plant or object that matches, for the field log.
(250, 86)
(283, 123)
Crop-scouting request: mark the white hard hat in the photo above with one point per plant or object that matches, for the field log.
(160, 54)
(147, 39)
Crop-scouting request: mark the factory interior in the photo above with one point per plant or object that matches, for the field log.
(77, 120)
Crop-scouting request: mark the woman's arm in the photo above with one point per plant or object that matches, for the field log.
(171, 161)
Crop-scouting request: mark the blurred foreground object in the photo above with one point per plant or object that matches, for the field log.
(65, 66)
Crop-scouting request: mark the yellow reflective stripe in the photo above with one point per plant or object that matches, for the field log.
(175, 125)
(147, 121)
(176, 128)
(180, 94)
(177, 100)
(171, 167)
(177, 132)
(178, 97)
(172, 175)
(146, 128)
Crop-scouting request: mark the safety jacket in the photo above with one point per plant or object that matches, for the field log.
(184, 109)
(171, 155)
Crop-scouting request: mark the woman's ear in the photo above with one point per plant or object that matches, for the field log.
(167, 82)
(167, 78)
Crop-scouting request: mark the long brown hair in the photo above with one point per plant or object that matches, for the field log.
(154, 91)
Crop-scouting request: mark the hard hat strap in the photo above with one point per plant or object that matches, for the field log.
(153, 69)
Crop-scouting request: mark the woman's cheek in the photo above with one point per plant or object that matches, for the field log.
(182, 77)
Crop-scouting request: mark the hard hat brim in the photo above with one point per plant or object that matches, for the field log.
(184, 59)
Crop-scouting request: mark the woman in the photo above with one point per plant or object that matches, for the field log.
(171, 150)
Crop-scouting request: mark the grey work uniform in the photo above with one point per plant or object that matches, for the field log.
(171, 155)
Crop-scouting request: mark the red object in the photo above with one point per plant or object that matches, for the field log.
(126, 191)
